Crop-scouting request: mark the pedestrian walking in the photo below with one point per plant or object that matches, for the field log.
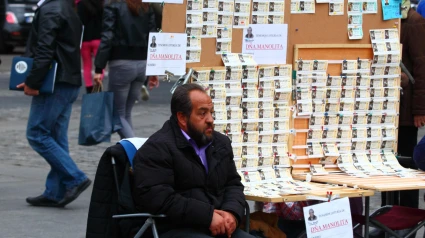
(90, 13)
(55, 35)
(124, 44)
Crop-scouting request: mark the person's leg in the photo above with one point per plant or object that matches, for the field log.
(239, 234)
(407, 140)
(292, 228)
(133, 96)
(356, 207)
(135, 91)
(60, 135)
(121, 74)
(87, 65)
(44, 114)
(185, 233)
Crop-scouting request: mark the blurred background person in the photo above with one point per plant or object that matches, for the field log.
(90, 13)
(124, 44)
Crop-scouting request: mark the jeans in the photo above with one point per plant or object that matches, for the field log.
(47, 134)
(88, 51)
(126, 78)
(193, 233)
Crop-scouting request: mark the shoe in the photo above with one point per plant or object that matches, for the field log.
(42, 201)
(72, 194)
(145, 93)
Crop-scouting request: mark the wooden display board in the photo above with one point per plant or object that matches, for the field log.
(331, 52)
(317, 28)
(320, 28)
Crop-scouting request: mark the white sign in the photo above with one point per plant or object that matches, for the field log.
(267, 42)
(165, 1)
(166, 51)
(329, 219)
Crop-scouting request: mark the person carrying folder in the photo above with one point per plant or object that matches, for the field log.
(55, 36)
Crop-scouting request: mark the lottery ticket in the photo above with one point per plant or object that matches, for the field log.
(336, 7)
(355, 32)
(194, 31)
(209, 31)
(193, 56)
(223, 47)
(226, 6)
(298, 7)
(194, 5)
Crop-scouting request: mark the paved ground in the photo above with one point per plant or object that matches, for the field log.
(22, 171)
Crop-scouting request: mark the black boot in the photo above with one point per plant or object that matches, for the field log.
(89, 89)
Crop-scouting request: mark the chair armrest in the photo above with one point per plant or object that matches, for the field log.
(247, 213)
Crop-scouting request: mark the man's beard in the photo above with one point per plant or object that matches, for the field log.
(198, 136)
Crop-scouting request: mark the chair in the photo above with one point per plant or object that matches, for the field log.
(394, 218)
(129, 146)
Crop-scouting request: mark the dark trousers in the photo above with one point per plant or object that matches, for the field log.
(194, 233)
(407, 140)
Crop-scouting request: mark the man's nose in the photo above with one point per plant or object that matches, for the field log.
(209, 118)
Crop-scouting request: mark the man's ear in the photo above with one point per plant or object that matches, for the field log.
(182, 119)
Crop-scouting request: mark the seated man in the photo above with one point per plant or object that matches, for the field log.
(186, 171)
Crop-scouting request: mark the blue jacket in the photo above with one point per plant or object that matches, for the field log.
(421, 8)
(419, 153)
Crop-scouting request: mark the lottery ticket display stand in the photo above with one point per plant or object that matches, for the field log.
(326, 122)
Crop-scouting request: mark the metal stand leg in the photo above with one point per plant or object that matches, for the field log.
(154, 231)
(366, 213)
(145, 226)
(390, 201)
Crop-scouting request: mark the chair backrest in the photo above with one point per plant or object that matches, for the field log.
(131, 145)
(127, 227)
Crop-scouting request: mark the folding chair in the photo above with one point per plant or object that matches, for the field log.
(131, 150)
(394, 218)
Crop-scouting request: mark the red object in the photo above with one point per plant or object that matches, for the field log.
(397, 218)
(88, 52)
(11, 18)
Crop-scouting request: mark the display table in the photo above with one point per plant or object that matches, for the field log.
(321, 194)
(339, 192)
(376, 183)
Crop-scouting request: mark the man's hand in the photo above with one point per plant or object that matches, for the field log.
(97, 79)
(217, 226)
(28, 91)
(153, 82)
(419, 120)
(230, 221)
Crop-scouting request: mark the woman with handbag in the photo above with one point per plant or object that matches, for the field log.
(124, 44)
(90, 13)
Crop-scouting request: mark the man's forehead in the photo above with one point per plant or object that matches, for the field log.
(200, 100)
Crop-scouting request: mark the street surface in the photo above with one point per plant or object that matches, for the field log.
(23, 172)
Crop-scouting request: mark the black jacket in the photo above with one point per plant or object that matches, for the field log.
(106, 201)
(124, 36)
(412, 35)
(55, 35)
(92, 23)
(170, 179)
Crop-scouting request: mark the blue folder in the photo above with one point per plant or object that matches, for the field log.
(21, 67)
